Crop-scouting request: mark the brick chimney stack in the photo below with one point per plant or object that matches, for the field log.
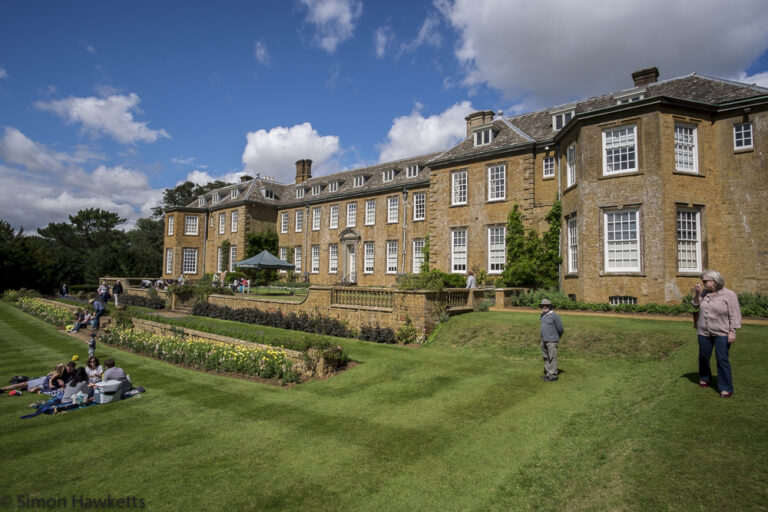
(645, 76)
(303, 170)
(478, 118)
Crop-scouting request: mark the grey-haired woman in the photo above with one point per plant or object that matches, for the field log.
(719, 317)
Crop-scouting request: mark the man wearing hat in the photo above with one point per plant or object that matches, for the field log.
(551, 331)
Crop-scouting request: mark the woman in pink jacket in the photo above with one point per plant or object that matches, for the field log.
(719, 317)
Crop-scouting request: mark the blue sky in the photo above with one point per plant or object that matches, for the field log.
(105, 104)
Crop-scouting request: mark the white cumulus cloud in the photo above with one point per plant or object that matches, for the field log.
(38, 185)
(275, 152)
(111, 115)
(415, 134)
(552, 51)
(199, 177)
(3, 73)
(334, 20)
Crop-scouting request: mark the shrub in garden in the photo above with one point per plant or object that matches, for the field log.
(377, 334)
(155, 302)
(51, 313)
(206, 354)
(407, 333)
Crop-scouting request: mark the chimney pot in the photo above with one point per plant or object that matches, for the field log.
(645, 76)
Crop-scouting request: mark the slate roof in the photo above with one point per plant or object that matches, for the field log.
(537, 126)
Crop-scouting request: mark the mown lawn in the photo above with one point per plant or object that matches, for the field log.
(464, 423)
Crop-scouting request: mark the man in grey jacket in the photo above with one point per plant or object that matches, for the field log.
(551, 332)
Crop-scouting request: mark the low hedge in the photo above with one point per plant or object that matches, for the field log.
(752, 305)
(315, 324)
(143, 302)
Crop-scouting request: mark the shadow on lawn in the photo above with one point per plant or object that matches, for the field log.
(694, 378)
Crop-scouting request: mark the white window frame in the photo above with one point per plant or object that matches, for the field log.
(368, 257)
(299, 192)
(459, 187)
(201, 201)
(333, 217)
(222, 223)
(234, 193)
(299, 221)
(388, 175)
(189, 261)
(548, 167)
(170, 225)
(316, 219)
(358, 181)
(219, 258)
(297, 257)
(283, 255)
(393, 209)
(418, 255)
(688, 235)
(232, 257)
(370, 212)
(420, 206)
(169, 261)
(233, 226)
(214, 198)
(612, 247)
(686, 148)
(333, 186)
(351, 215)
(411, 171)
(315, 258)
(391, 256)
(629, 97)
(560, 119)
(621, 143)
(269, 194)
(570, 165)
(333, 259)
(497, 250)
(483, 137)
(497, 182)
(743, 136)
(191, 225)
(459, 251)
(573, 245)
(316, 189)
(284, 222)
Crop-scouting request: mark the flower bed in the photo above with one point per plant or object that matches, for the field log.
(53, 314)
(207, 354)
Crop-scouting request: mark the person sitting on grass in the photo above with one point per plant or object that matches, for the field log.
(94, 370)
(39, 384)
(113, 372)
(77, 384)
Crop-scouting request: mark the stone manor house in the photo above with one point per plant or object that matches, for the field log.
(657, 182)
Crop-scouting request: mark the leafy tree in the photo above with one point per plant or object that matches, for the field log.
(266, 240)
(183, 194)
(144, 255)
(225, 246)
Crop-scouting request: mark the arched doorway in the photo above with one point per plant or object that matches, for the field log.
(349, 240)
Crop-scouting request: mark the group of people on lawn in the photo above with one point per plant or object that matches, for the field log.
(66, 381)
(716, 322)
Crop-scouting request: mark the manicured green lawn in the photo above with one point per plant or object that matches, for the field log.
(464, 423)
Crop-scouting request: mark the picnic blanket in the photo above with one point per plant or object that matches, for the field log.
(53, 405)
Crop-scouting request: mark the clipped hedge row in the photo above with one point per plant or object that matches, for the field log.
(141, 301)
(303, 322)
(752, 305)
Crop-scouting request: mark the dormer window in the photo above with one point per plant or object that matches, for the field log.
(315, 189)
(388, 175)
(215, 198)
(411, 171)
(483, 137)
(201, 201)
(561, 119)
(299, 193)
(629, 97)
(358, 181)
(333, 186)
(235, 192)
(269, 194)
